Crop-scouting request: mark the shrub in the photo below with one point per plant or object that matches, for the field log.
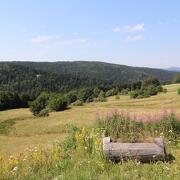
(179, 91)
(78, 103)
(39, 104)
(101, 97)
(117, 97)
(134, 94)
(44, 113)
(96, 92)
(9, 100)
(149, 87)
(57, 103)
(164, 90)
(124, 92)
(86, 95)
(71, 97)
(152, 90)
(111, 92)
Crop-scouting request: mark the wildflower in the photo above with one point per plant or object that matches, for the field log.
(138, 163)
(15, 169)
(85, 148)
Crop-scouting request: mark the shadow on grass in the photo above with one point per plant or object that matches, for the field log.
(5, 126)
(170, 158)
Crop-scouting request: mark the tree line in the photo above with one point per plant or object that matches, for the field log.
(21, 86)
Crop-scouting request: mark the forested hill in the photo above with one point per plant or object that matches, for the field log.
(113, 73)
(26, 80)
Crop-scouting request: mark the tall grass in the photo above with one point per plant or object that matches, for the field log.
(133, 128)
(80, 155)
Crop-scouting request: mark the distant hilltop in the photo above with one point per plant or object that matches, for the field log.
(175, 69)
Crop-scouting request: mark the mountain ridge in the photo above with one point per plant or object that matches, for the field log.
(101, 70)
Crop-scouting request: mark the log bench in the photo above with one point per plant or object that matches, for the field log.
(143, 152)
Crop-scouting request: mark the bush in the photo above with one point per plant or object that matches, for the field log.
(96, 92)
(57, 103)
(9, 100)
(44, 113)
(101, 97)
(124, 92)
(164, 90)
(117, 97)
(111, 92)
(179, 91)
(86, 95)
(39, 104)
(152, 90)
(78, 103)
(134, 94)
(71, 97)
(149, 87)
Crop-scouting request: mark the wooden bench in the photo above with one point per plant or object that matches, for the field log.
(141, 151)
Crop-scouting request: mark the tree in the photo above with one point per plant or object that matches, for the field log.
(152, 90)
(111, 92)
(96, 92)
(101, 97)
(40, 103)
(9, 100)
(149, 87)
(177, 78)
(57, 103)
(86, 95)
(71, 97)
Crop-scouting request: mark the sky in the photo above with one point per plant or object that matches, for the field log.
(130, 32)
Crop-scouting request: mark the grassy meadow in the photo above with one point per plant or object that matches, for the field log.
(45, 148)
(20, 130)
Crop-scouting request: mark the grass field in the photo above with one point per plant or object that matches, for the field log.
(19, 129)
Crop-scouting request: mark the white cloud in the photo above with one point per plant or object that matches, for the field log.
(135, 38)
(56, 40)
(133, 28)
(41, 39)
(73, 41)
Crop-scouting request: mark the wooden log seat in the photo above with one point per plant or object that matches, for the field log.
(143, 152)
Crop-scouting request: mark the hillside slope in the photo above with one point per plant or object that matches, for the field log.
(175, 69)
(21, 79)
(113, 73)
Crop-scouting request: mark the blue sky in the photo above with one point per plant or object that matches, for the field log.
(131, 32)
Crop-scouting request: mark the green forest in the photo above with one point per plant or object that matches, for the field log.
(22, 83)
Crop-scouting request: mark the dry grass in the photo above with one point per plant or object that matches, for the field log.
(29, 131)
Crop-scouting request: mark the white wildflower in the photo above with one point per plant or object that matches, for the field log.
(15, 169)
